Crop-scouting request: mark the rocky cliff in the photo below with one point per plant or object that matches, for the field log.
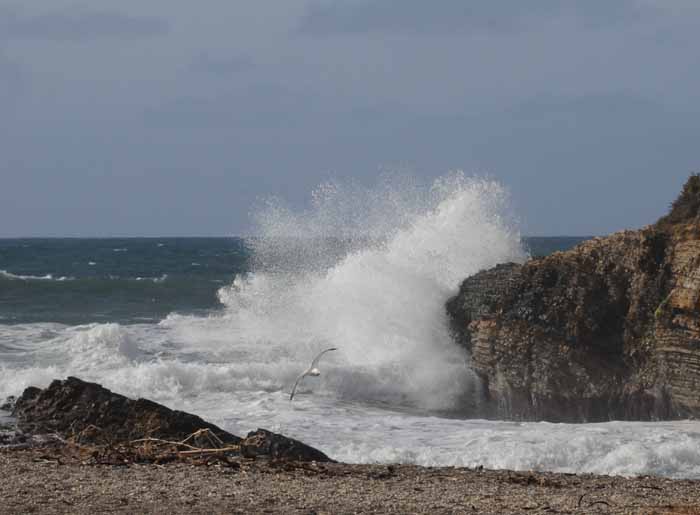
(607, 330)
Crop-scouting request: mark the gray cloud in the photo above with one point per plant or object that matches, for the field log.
(572, 105)
(222, 66)
(77, 24)
(11, 78)
(259, 105)
(459, 16)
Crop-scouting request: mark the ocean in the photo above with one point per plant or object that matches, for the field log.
(221, 327)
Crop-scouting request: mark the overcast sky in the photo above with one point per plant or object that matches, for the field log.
(172, 117)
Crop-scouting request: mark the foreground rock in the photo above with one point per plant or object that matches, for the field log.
(607, 330)
(72, 406)
(276, 446)
(87, 413)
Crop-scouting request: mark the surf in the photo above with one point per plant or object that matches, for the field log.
(366, 270)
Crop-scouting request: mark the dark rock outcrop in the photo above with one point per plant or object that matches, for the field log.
(73, 406)
(265, 443)
(89, 413)
(8, 404)
(607, 330)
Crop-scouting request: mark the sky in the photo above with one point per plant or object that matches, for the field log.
(173, 118)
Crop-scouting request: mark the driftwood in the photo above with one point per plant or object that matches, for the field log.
(82, 447)
(170, 449)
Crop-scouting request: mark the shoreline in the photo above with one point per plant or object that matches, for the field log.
(77, 447)
(39, 481)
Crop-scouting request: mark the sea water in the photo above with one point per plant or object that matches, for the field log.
(223, 326)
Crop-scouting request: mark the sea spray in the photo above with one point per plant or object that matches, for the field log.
(367, 270)
(398, 256)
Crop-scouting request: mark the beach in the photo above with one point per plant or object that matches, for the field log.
(37, 482)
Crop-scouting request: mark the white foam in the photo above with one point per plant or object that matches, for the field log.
(615, 448)
(160, 279)
(47, 277)
(241, 395)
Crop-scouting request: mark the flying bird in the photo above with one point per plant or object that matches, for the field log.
(311, 371)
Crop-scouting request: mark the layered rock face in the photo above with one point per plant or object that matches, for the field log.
(607, 330)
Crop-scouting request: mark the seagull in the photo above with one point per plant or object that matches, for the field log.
(311, 371)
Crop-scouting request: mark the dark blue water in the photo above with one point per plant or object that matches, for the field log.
(131, 280)
(76, 281)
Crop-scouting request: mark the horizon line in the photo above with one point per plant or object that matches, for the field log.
(235, 236)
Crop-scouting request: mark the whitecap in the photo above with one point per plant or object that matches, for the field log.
(47, 277)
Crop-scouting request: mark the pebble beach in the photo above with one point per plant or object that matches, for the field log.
(38, 482)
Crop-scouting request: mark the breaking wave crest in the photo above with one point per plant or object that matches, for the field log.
(368, 271)
(4, 274)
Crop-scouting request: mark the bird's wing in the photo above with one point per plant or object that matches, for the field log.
(315, 361)
(296, 383)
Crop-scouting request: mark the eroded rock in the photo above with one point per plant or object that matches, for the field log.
(607, 330)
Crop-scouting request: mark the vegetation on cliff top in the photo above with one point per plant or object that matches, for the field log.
(686, 208)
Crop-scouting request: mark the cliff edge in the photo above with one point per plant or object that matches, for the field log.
(607, 330)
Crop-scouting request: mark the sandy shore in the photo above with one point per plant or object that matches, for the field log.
(36, 483)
